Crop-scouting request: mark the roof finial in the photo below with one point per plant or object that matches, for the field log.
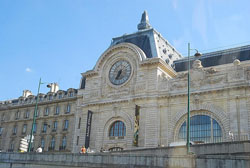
(144, 24)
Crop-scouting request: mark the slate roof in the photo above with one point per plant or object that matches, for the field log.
(140, 39)
(150, 42)
(216, 58)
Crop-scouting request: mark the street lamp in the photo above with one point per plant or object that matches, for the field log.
(34, 116)
(197, 54)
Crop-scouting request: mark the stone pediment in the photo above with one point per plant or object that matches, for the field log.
(122, 47)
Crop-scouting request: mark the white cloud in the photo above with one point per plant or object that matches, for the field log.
(28, 70)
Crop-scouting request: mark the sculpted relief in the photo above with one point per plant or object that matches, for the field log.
(202, 78)
(215, 80)
(236, 75)
(163, 81)
(199, 78)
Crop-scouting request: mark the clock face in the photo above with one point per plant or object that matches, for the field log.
(120, 72)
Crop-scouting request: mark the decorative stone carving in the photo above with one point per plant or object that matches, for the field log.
(236, 75)
(215, 79)
(211, 70)
(116, 109)
(163, 81)
(197, 64)
(178, 85)
(197, 100)
(197, 78)
(236, 62)
(182, 75)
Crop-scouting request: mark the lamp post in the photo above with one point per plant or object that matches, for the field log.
(34, 116)
(197, 54)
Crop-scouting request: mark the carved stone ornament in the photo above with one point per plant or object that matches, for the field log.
(197, 64)
(215, 80)
(236, 62)
(182, 75)
(197, 77)
(236, 75)
(211, 70)
(163, 81)
(116, 110)
(179, 84)
(197, 100)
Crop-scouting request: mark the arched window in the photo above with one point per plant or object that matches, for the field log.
(117, 129)
(203, 128)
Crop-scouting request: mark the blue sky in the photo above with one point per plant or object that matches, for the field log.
(57, 40)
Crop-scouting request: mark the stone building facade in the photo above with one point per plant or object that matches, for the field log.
(136, 97)
(53, 125)
(143, 70)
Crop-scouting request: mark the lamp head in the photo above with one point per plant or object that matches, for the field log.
(197, 54)
(49, 86)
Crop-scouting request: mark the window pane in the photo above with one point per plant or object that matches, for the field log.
(118, 128)
(200, 129)
(68, 108)
(64, 142)
(42, 143)
(66, 124)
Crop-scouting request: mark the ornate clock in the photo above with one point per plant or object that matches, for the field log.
(120, 72)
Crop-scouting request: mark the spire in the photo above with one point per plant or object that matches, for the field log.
(144, 24)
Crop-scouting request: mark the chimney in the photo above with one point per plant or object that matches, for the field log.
(54, 87)
(26, 93)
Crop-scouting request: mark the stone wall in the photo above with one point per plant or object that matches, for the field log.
(24, 160)
(222, 155)
(225, 148)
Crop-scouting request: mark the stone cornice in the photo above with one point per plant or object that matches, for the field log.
(63, 115)
(104, 102)
(89, 73)
(159, 96)
(204, 91)
(128, 46)
(47, 102)
(160, 63)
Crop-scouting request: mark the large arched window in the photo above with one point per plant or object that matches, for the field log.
(117, 129)
(203, 128)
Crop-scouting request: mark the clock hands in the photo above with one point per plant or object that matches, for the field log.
(118, 74)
